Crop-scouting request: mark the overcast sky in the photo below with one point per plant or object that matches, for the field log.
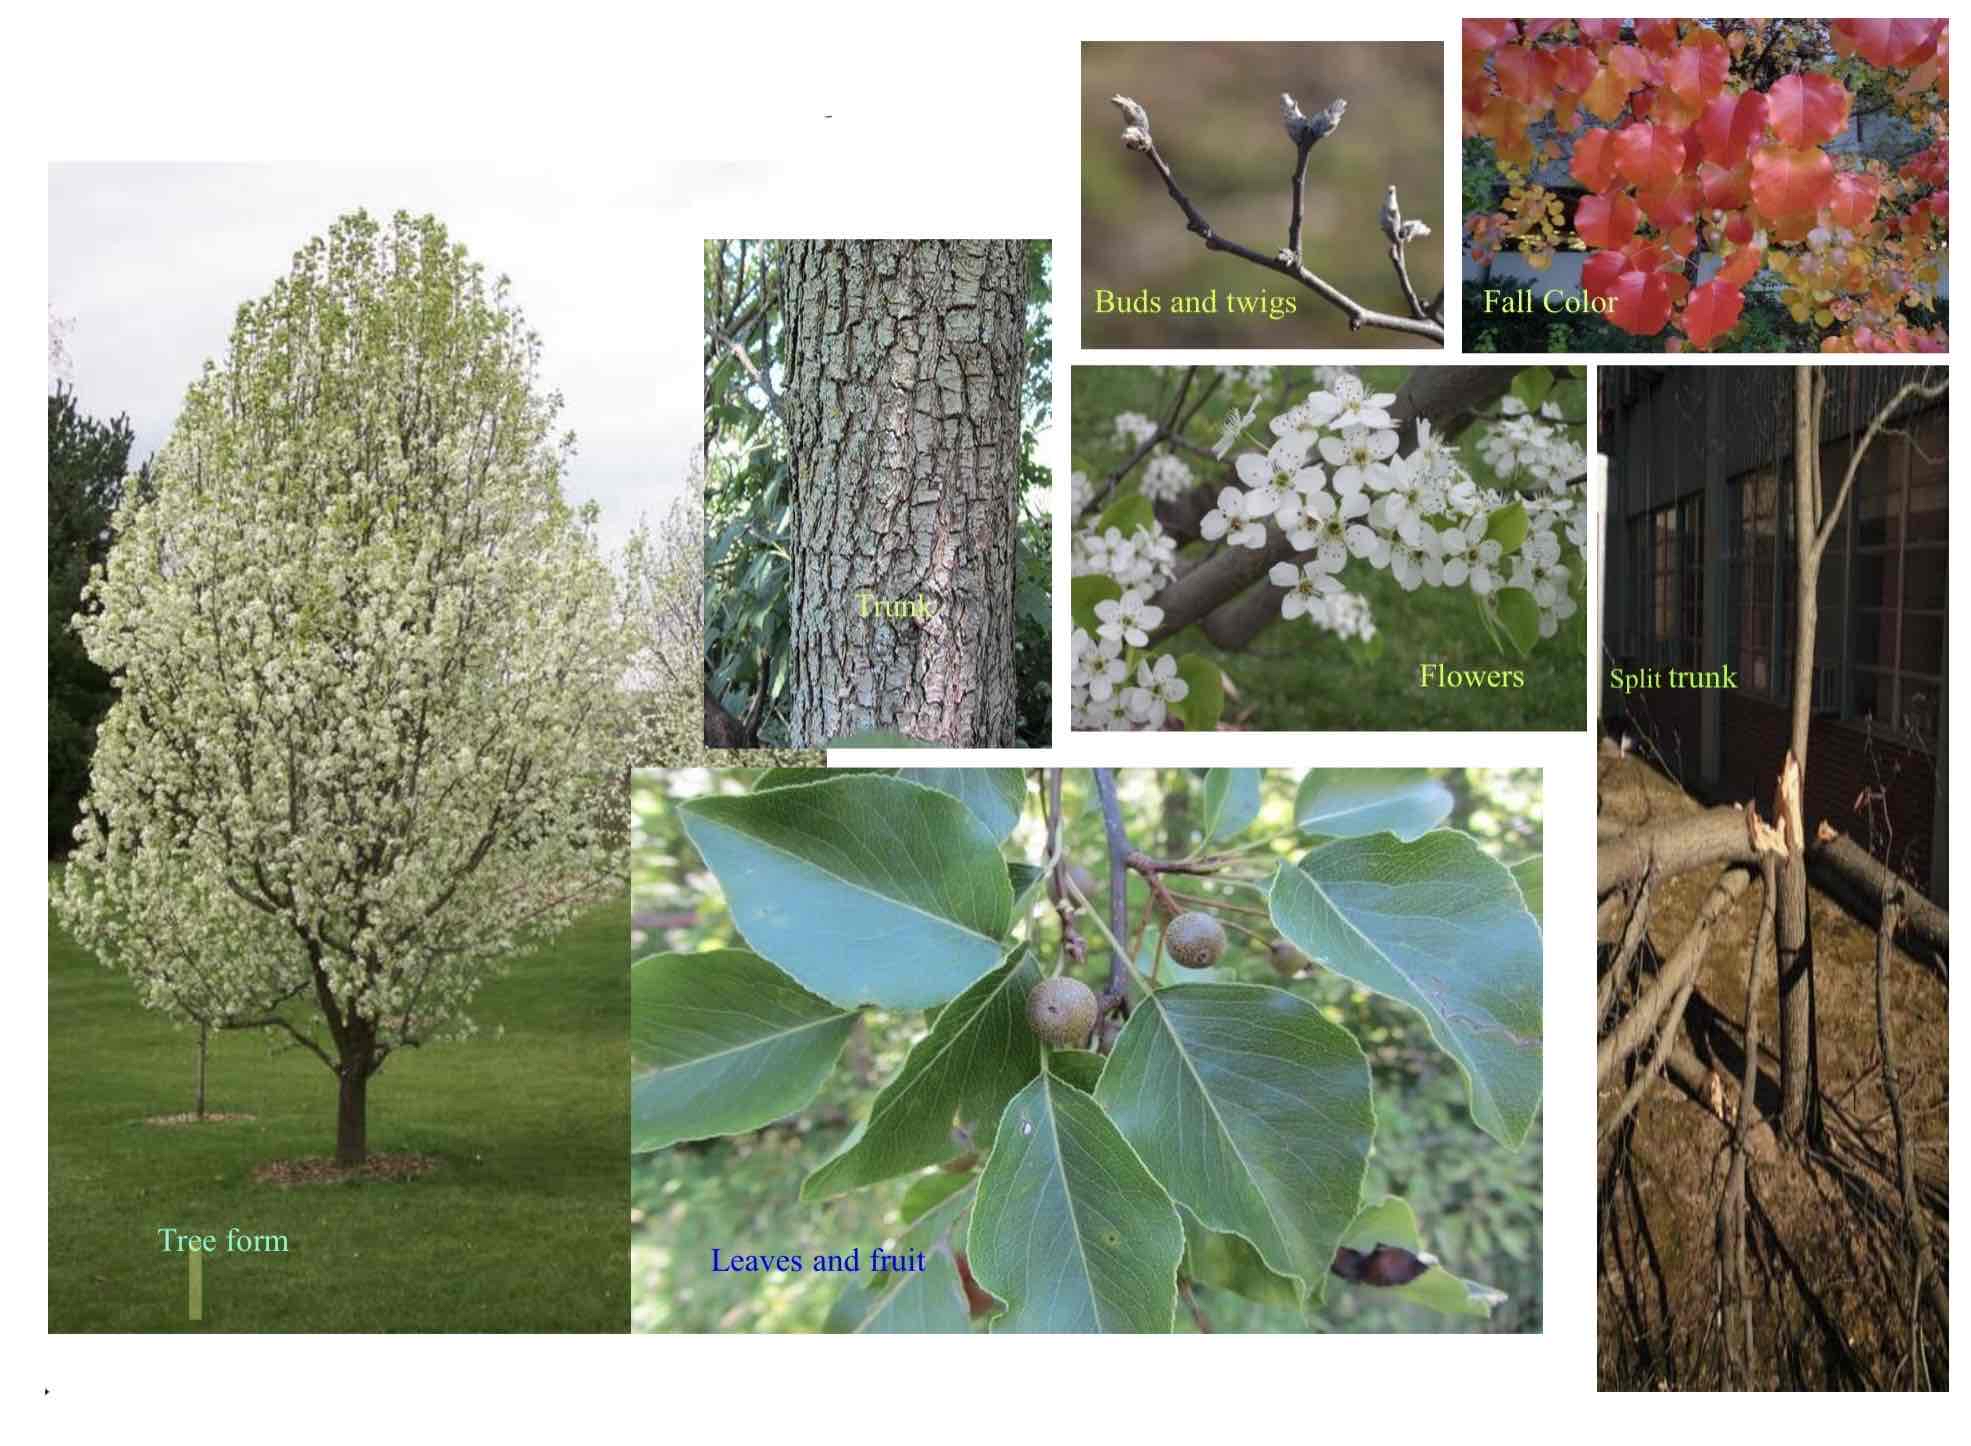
(148, 264)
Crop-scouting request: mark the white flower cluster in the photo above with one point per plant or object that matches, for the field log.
(1134, 427)
(1534, 446)
(1337, 483)
(1167, 477)
(1103, 696)
(371, 711)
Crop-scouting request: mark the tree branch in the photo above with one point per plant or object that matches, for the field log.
(1287, 262)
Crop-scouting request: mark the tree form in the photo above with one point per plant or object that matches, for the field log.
(904, 363)
(87, 460)
(371, 716)
(1715, 141)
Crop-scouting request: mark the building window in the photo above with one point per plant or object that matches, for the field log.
(1759, 603)
(1670, 583)
(1896, 626)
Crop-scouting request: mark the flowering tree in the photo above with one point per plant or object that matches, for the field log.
(1716, 153)
(1465, 479)
(371, 670)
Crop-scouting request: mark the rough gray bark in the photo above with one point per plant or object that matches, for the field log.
(1796, 956)
(903, 368)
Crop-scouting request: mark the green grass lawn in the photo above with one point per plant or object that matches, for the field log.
(521, 1228)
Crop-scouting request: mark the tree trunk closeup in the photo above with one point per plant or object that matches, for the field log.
(903, 366)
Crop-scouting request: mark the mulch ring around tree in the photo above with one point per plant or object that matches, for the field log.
(210, 1117)
(322, 1170)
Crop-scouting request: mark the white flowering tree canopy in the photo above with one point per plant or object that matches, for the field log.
(370, 667)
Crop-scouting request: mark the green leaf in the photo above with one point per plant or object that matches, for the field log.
(723, 1042)
(1253, 1110)
(794, 777)
(1084, 592)
(1390, 1221)
(878, 738)
(1572, 398)
(865, 889)
(1440, 926)
(928, 1191)
(909, 1301)
(1352, 802)
(1507, 527)
(1532, 385)
(1231, 802)
(1530, 876)
(1229, 1262)
(1026, 880)
(1069, 1229)
(995, 795)
(1126, 514)
(1081, 1068)
(975, 1058)
(1204, 704)
(1519, 614)
(927, 1302)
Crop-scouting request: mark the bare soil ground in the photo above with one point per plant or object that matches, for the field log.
(1831, 1268)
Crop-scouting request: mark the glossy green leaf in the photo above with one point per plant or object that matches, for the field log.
(1438, 925)
(1530, 876)
(914, 1302)
(868, 890)
(996, 795)
(1351, 802)
(1069, 1230)
(723, 1042)
(1390, 1221)
(1229, 1262)
(1084, 592)
(927, 1192)
(927, 1302)
(975, 1058)
(1231, 802)
(772, 778)
(1253, 1110)
(1026, 880)
(1204, 704)
(1519, 615)
(1081, 1068)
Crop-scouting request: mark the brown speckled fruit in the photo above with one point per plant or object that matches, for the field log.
(1061, 1011)
(1195, 940)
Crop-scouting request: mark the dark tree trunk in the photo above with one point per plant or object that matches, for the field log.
(351, 1115)
(204, 1031)
(904, 361)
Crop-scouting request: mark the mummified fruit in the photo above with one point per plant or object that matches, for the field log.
(1195, 940)
(1061, 1011)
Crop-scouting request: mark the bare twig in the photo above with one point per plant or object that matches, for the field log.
(1286, 262)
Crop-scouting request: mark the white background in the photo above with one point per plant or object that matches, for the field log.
(832, 120)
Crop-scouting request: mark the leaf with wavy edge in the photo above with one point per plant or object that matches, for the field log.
(723, 1042)
(1349, 802)
(1253, 1110)
(1440, 926)
(1069, 1229)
